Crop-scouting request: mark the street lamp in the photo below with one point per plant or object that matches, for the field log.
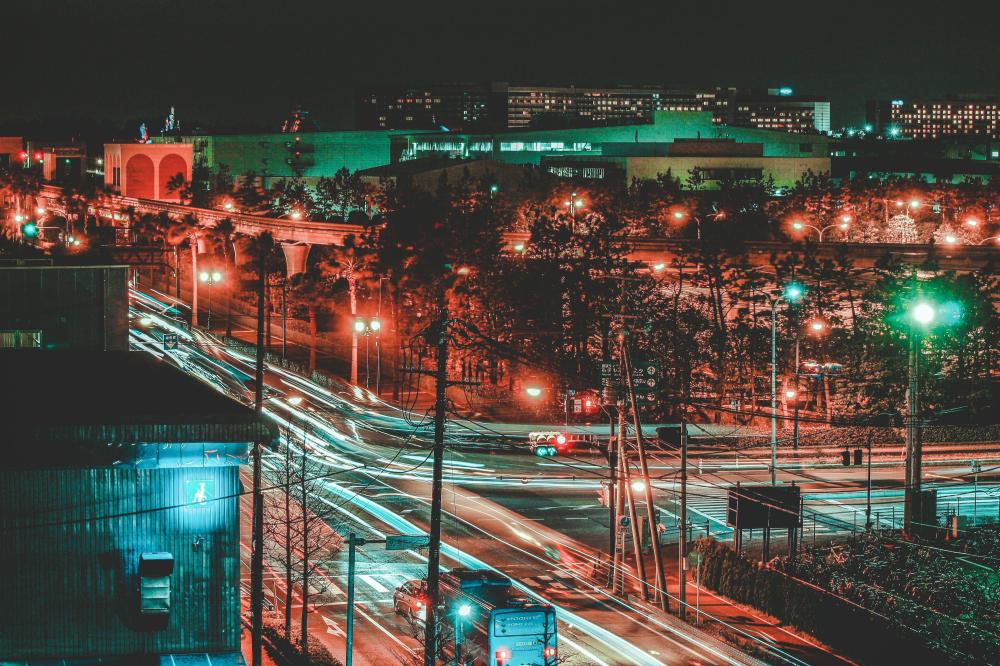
(793, 292)
(461, 614)
(921, 315)
(533, 391)
(817, 327)
(368, 326)
(681, 214)
(572, 204)
(843, 225)
(210, 278)
(296, 215)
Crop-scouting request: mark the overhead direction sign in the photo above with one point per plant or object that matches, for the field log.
(170, 341)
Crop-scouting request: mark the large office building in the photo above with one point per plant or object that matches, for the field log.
(310, 156)
(496, 106)
(448, 106)
(955, 116)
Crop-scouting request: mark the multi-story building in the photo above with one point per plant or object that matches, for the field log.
(505, 106)
(953, 116)
(450, 106)
(777, 109)
(557, 106)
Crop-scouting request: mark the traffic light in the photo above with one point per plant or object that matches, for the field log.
(845, 458)
(29, 229)
(857, 456)
(603, 495)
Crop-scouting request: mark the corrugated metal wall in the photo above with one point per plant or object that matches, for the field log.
(70, 542)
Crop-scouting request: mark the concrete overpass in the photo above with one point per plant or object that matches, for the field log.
(297, 236)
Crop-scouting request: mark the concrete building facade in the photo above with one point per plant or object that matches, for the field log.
(143, 170)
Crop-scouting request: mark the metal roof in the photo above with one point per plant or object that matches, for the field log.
(114, 398)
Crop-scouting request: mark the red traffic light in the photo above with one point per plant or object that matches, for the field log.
(38, 157)
(24, 155)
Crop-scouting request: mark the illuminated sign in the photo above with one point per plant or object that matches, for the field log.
(198, 492)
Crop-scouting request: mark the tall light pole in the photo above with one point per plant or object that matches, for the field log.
(817, 327)
(367, 327)
(572, 204)
(793, 292)
(921, 315)
(209, 278)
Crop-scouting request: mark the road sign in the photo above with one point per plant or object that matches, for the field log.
(623, 521)
(645, 375)
(170, 341)
(694, 558)
(406, 541)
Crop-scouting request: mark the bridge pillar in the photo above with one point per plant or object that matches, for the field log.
(296, 255)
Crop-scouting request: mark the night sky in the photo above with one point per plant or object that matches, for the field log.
(247, 62)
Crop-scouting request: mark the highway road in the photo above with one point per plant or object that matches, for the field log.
(535, 519)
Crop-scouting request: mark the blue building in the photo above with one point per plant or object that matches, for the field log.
(119, 511)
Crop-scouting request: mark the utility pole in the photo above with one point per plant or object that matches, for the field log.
(633, 518)
(257, 555)
(660, 577)
(434, 551)
(612, 498)
(682, 533)
(618, 565)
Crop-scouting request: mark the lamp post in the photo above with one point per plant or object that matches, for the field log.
(368, 327)
(991, 238)
(681, 214)
(921, 315)
(209, 278)
(793, 292)
(461, 613)
(572, 204)
(843, 225)
(817, 327)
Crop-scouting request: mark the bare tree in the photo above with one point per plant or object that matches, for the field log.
(299, 527)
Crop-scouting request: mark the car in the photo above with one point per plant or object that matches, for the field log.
(410, 600)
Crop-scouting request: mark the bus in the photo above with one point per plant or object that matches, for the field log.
(489, 622)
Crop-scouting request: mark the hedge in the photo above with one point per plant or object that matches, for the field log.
(287, 653)
(926, 638)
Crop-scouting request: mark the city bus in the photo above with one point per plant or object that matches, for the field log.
(489, 622)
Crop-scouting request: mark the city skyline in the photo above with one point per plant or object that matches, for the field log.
(203, 58)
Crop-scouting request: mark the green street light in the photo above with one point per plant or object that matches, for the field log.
(464, 610)
(29, 229)
(793, 292)
(923, 313)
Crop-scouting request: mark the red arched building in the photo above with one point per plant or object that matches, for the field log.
(143, 170)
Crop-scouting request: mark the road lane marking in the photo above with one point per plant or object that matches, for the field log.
(379, 587)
